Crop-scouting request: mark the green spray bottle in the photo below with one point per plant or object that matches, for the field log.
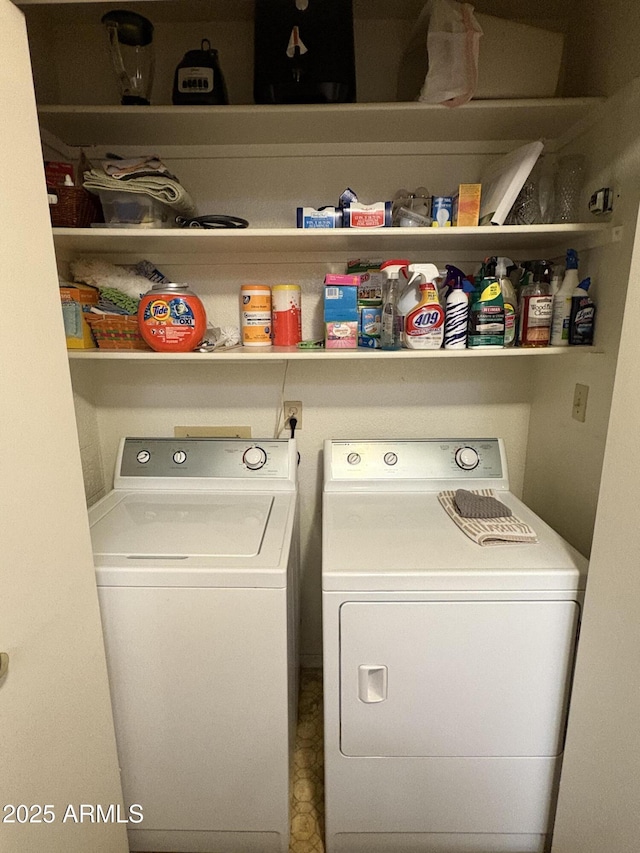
(486, 314)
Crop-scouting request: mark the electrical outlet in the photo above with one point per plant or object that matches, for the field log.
(580, 396)
(293, 409)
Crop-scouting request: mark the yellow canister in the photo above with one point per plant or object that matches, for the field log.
(255, 315)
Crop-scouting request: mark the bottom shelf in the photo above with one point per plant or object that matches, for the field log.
(280, 354)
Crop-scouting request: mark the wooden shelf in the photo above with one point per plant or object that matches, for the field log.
(251, 124)
(487, 240)
(282, 354)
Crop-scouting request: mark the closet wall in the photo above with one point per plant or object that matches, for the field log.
(520, 399)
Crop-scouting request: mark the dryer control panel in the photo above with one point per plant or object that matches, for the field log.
(434, 463)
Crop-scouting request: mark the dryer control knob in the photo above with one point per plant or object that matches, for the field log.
(254, 458)
(179, 457)
(143, 456)
(390, 458)
(467, 458)
(353, 458)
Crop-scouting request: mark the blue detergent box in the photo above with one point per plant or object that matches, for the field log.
(341, 298)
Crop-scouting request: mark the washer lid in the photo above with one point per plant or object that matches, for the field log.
(393, 542)
(168, 525)
(191, 538)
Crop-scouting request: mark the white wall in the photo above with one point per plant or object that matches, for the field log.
(600, 787)
(571, 450)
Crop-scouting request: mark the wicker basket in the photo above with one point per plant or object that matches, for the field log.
(112, 331)
(76, 208)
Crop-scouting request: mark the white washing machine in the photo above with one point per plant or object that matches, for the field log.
(447, 664)
(196, 555)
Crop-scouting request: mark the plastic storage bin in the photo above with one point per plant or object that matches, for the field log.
(123, 209)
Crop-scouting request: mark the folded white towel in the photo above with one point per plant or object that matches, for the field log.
(161, 187)
(500, 530)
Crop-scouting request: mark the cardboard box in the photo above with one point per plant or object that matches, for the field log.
(322, 217)
(466, 205)
(341, 334)
(76, 299)
(369, 326)
(377, 215)
(371, 279)
(532, 57)
(341, 311)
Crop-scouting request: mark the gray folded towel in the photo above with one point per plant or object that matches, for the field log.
(496, 530)
(473, 505)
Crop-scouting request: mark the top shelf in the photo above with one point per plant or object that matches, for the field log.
(410, 122)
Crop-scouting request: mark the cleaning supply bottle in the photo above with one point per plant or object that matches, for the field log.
(456, 313)
(391, 330)
(509, 299)
(486, 312)
(583, 316)
(562, 302)
(424, 325)
(536, 308)
(410, 296)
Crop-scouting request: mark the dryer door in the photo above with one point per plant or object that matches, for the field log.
(464, 678)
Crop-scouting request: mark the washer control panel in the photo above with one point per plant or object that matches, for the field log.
(205, 458)
(422, 459)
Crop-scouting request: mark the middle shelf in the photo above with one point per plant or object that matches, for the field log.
(495, 240)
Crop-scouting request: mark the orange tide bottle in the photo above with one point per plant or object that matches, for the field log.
(172, 318)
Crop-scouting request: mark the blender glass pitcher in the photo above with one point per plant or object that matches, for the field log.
(130, 36)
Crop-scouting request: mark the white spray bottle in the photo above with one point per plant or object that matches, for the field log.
(424, 324)
(411, 295)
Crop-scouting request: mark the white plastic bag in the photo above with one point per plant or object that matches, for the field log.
(453, 44)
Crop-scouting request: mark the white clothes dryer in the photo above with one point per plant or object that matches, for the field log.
(196, 555)
(447, 665)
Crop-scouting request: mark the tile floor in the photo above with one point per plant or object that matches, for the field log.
(307, 790)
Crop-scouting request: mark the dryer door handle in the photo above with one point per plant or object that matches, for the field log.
(372, 683)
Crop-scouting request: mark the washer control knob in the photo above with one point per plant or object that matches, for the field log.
(467, 458)
(390, 458)
(254, 458)
(179, 457)
(143, 456)
(354, 459)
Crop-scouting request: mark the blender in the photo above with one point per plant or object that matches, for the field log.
(130, 36)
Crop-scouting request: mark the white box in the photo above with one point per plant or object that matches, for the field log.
(516, 60)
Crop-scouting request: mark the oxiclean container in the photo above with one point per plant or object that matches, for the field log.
(255, 315)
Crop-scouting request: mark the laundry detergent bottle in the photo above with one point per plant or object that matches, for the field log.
(424, 324)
